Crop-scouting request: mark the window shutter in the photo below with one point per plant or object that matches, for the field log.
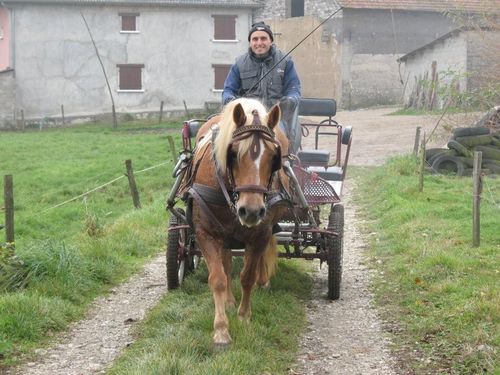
(224, 27)
(131, 76)
(220, 74)
(129, 23)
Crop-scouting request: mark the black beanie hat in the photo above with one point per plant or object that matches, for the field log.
(261, 26)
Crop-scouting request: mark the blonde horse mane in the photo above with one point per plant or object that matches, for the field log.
(227, 126)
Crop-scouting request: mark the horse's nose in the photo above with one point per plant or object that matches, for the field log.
(251, 216)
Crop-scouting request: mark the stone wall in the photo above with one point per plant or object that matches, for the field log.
(483, 48)
(450, 55)
(281, 9)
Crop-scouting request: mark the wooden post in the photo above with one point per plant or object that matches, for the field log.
(131, 182)
(62, 112)
(115, 121)
(432, 87)
(161, 112)
(476, 198)
(186, 109)
(172, 147)
(417, 140)
(9, 209)
(23, 122)
(422, 165)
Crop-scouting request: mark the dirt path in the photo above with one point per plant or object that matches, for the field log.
(90, 345)
(344, 337)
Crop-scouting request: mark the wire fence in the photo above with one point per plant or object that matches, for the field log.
(9, 207)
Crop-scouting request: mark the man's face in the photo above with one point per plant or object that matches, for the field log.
(260, 42)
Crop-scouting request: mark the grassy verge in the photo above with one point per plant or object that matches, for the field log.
(176, 338)
(421, 112)
(67, 255)
(441, 294)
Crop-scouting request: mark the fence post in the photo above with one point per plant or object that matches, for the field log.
(186, 109)
(422, 165)
(161, 112)
(23, 122)
(9, 210)
(131, 182)
(476, 198)
(417, 140)
(62, 112)
(172, 147)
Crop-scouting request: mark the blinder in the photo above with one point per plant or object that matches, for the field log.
(258, 132)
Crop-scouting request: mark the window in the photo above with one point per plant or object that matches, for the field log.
(296, 8)
(220, 74)
(129, 22)
(224, 27)
(130, 76)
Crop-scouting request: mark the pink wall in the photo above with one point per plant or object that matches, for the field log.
(4, 38)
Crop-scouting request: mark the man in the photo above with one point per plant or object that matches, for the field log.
(265, 74)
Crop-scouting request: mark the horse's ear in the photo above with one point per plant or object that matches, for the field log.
(239, 116)
(274, 116)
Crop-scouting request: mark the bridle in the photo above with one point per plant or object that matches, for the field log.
(258, 132)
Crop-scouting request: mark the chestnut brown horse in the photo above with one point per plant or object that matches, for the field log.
(236, 171)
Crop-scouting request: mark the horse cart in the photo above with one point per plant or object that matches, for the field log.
(312, 226)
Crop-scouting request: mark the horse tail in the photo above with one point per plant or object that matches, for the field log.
(267, 267)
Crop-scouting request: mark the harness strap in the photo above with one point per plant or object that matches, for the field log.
(223, 188)
(206, 210)
(251, 189)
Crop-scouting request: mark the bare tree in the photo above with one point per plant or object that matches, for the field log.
(115, 123)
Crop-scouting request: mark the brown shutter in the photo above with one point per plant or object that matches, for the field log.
(224, 27)
(129, 23)
(220, 74)
(130, 76)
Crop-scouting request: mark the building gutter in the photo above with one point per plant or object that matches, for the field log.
(148, 3)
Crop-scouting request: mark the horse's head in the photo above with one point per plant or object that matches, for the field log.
(248, 151)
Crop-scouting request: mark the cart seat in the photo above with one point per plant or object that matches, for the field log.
(194, 126)
(329, 174)
(319, 158)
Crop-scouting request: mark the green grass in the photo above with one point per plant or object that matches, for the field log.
(176, 338)
(65, 256)
(441, 293)
(421, 112)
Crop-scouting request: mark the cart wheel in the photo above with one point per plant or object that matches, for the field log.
(335, 248)
(179, 260)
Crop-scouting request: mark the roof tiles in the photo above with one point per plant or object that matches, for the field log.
(199, 3)
(426, 5)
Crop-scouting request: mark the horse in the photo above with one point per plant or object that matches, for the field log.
(235, 201)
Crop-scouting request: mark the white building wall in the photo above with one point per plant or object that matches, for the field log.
(451, 61)
(55, 61)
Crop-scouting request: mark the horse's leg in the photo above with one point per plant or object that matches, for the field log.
(228, 266)
(267, 264)
(213, 253)
(248, 277)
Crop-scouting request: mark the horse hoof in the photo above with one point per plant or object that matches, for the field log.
(265, 286)
(221, 340)
(218, 348)
(244, 317)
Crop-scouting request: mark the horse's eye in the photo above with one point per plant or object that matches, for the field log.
(231, 155)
